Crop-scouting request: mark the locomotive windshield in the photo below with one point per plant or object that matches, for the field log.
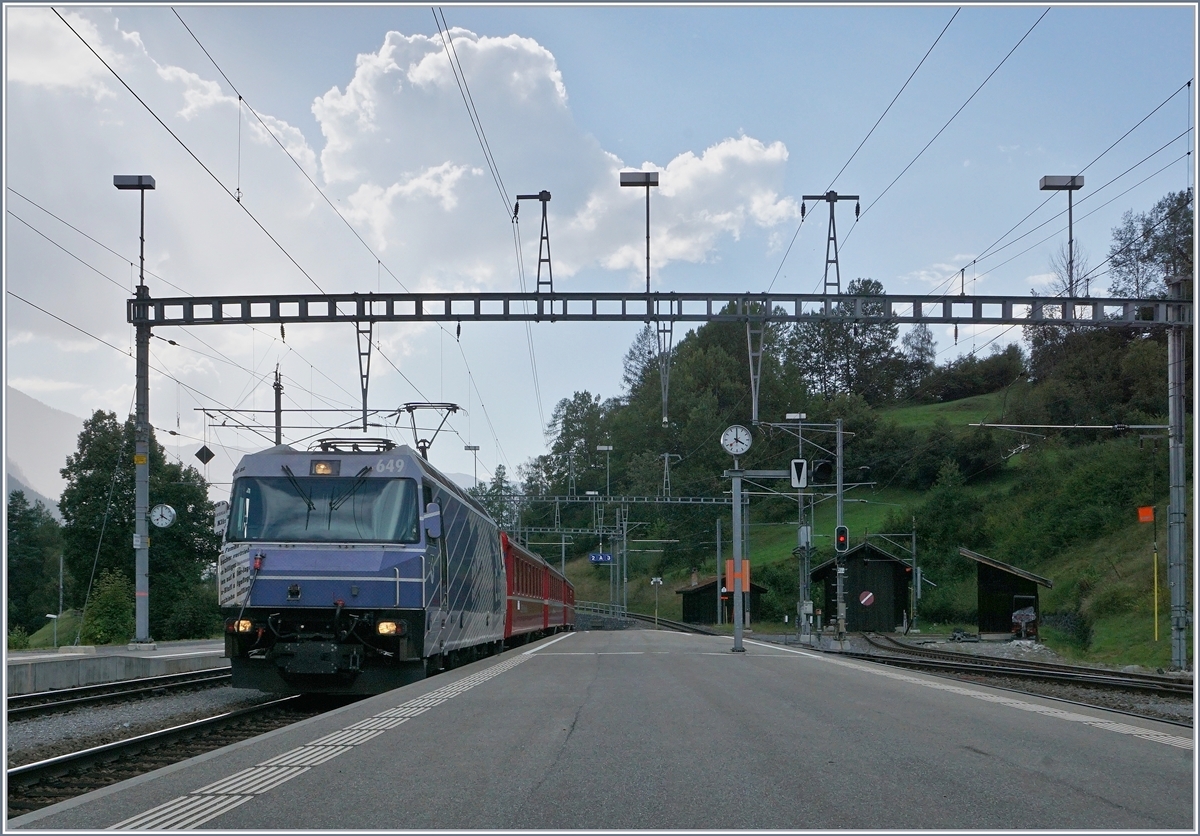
(306, 509)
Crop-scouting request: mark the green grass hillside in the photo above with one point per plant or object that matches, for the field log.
(1101, 607)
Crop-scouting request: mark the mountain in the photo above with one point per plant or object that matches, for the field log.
(15, 483)
(39, 439)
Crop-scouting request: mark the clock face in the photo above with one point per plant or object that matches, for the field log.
(162, 515)
(736, 440)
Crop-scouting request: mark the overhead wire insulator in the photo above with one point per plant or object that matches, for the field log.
(802, 210)
(857, 207)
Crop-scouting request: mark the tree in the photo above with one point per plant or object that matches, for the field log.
(494, 496)
(920, 355)
(1063, 270)
(97, 506)
(840, 356)
(1150, 247)
(34, 546)
(109, 618)
(640, 359)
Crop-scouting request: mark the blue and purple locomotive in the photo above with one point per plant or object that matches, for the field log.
(353, 568)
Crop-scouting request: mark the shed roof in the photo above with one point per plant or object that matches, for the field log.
(1005, 567)
(710, 586)
(875, 552)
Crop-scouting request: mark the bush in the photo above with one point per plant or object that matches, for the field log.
(109, 618)
(18, 639)
(194, 616)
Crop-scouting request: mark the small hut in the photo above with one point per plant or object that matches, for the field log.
(700, 602)
(875, 586)
(1004, 591)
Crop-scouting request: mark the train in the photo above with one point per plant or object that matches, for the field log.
(355, 567)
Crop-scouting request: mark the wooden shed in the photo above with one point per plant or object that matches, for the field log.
(869, 569)
(700, 602)
(1004, 589)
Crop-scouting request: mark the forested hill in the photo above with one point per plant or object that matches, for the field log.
(1023, 497)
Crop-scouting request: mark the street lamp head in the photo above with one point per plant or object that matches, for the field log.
(133, 181)
(1052, 183)
(603, 448)
(639, 178)
(471, 448)
(795, 416)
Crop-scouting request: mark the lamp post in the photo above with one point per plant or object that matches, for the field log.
(474, 450)
(54, 618)
(647, 179)
(1069, 185)
(656, 582)
(141, 450)
(606, 449)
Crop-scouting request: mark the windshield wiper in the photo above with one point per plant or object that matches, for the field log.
(291, 477)
(339, 501)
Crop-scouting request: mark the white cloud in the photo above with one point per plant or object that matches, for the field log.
(199, 94)
(42, 52)
(1041, 279)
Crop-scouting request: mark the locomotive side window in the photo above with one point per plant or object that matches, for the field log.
(293, 508)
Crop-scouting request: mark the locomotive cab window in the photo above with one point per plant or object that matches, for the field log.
(301, 508)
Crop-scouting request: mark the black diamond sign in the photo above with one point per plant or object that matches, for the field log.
(204, 454)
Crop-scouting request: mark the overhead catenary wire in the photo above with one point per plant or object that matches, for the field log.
(948, 122)
(992, 248)
(864, 140)
(191, 153)
(380, 265)
(217, 354)
(460, 78)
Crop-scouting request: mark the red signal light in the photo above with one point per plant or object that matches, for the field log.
(841, 539)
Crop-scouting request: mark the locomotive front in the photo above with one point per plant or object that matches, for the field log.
(323, 576)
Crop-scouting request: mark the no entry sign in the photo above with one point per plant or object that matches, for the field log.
(866, 598)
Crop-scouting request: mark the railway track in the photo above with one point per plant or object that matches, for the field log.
(674, 625)
(951, 662)
(37, 785)
(49, 702)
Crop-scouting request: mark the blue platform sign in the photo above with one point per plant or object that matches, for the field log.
(601, 557)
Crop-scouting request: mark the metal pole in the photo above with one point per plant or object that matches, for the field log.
(647, 236)
(625, 557)
(737, 559)
(60, 596)
(841, 570)
(720, 601)
(1070, 245)
(916, 577)
(141, 462)
(278, 387)
(1177, 509)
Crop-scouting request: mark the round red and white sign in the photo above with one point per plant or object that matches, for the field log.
(866, 598)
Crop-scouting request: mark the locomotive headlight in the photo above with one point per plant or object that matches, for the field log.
(243, 625)
(326, 468)
(389, 628)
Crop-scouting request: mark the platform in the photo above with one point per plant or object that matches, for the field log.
(33, 671)
(646, 729)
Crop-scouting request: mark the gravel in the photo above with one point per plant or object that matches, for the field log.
(38, 738)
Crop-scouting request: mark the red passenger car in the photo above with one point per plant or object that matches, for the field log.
(539, 600)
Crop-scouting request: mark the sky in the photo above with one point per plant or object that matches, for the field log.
(358, 170)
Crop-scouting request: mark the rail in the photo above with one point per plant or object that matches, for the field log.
(996, 666)
(36, 785)
(63, 699)
(600, 608)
